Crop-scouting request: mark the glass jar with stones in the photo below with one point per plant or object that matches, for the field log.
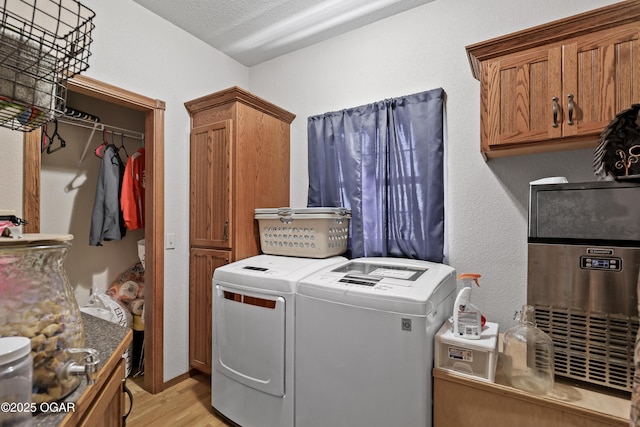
(37, 302)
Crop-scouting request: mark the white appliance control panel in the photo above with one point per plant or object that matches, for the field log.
(397, 285)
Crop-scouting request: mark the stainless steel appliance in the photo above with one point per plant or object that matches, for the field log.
(583, 264)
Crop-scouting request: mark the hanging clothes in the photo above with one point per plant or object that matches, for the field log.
(132, 198)
(106, 221)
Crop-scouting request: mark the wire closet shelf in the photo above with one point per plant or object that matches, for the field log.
(43, 43)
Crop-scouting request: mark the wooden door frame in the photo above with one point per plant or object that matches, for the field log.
(153, 110)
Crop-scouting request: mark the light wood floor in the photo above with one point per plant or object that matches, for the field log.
(187, 403)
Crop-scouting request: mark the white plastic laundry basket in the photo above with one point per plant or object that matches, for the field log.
(306, 232)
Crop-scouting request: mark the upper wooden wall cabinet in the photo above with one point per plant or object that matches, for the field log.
(557, 86)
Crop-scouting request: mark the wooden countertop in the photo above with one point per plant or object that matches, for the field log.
(567, 396)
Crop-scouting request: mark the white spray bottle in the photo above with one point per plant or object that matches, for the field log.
(467, 319)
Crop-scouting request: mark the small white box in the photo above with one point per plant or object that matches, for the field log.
(305, 232)
(473, 358)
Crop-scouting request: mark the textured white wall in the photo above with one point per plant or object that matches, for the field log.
(419, 50)
(67, 195)
(139, 51)
(11, 158)
(410, 52)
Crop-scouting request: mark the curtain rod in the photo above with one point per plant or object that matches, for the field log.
(103, 127)
(94, 126)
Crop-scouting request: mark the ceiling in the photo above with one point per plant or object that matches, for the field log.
(254, 31)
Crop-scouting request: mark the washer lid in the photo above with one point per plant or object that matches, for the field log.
(390, 284)
(371, 273)
(271, 272)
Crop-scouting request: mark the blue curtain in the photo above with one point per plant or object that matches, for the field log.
(385, 162)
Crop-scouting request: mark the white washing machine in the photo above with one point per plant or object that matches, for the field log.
(365, 333)
(253, 338)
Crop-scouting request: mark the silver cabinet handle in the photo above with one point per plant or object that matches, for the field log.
(555, 111)
(570, 104)
(226, 230)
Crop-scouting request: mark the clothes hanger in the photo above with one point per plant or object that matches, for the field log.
(122, 147)
(45, 139)
(99, 151)
(55, 136)
(115, 160)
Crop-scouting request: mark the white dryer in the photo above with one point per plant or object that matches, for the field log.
(365, 334)
(253, 338)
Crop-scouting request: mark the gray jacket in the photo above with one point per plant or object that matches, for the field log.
(106, 220)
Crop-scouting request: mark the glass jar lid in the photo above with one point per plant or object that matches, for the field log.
(29, 239)
(13, 348)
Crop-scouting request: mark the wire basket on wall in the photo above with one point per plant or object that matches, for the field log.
(43, 43)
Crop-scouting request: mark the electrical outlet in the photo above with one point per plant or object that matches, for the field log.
(170, 241)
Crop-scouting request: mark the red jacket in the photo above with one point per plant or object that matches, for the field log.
(132, 196)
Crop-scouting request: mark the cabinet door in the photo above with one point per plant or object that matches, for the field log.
(601, 72)
(202, 263)
(517, 93)
(108, 407)
(210, 186)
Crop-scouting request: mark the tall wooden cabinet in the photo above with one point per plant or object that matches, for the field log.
(557, 86)
(239, 152)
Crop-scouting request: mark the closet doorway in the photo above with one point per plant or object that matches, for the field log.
(153, 111)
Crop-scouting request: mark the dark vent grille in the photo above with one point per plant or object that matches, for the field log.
(596, 348)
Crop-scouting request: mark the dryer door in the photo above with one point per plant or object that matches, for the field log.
(249, 338)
